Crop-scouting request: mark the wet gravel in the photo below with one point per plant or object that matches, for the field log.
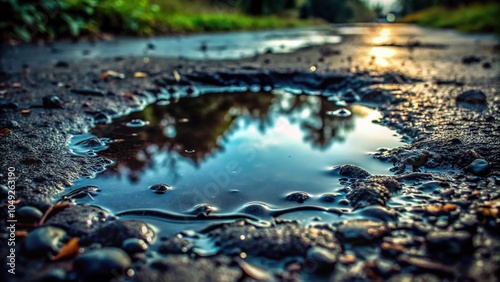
(449, 172)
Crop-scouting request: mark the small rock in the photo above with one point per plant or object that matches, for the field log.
(137, 123)
(352, 171)
(467, 60)
(114, 233)
(202, 210)
(257, 209)
(377, 213)
(102, 265)
(362, 231)
(472, 97)
(160, 188)
(80, 219)
(134, 245)
(62, 64)
(298, 197)
(448, 243)
(52, 102)
(4, 190)
(102, 118)
(479, 167)
(328, 197)
(28, 214)
(175, 245)
(340, 113)
(44, 241)
(368, 193)
(320, 260)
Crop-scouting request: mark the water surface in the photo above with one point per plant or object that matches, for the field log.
(229, 150)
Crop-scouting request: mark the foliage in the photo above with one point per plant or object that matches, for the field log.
(475, 18)
(263, 7)
(335, 11)
(412, 6)
(26, 20)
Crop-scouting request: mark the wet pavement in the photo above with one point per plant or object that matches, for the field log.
(425, 209)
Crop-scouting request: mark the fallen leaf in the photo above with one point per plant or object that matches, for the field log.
(16, 85)
(4, 131)
(57, 206)
(25, 112)
(177, 76)
(128, 95)
(21, 233)
(254, 272)
(71, 249)
(112, 73)
(449, 207)
(140, 74)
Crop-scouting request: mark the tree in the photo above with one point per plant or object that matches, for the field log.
(335, 11)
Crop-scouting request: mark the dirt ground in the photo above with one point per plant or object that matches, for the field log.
(440, 91)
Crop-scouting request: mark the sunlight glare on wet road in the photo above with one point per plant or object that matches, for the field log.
(384, 34)
(381, 55)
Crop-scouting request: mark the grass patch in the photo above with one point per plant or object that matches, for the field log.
(27, 20)
(227, 22)
(475, 18)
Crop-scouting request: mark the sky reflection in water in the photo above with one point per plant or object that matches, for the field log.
(231, 149)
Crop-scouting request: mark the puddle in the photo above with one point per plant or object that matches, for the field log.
(237, 153)
(213, 46)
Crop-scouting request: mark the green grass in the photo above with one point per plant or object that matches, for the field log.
(476, 18)
(27, 21)
(227, 22)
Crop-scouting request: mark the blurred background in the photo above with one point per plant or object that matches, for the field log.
(24, 20)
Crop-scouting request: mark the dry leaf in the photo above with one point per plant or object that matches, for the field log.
(16, 85)
(128, 95)
(254, 272)
(4, 131)
(177, 76)
(111, 73)
(140, 74)
(21, 233)
(25, 112)
(71, 249)
(57, 206)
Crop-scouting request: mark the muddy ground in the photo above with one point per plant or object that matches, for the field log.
(443, 97)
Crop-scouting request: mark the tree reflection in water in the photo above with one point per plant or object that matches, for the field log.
(195, 128)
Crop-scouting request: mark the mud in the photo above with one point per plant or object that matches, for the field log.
(449, 232)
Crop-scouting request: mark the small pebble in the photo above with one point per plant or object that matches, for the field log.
(472, 97)
(340, 113)
(298, 197)
(44, 241)
(134, 245)
(28, 214)
(103, 264)
(160, 188)
(479, 167)
(52, 102)
(320, 260)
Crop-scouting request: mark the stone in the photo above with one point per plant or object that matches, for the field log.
(472, 97)
(102, 265)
